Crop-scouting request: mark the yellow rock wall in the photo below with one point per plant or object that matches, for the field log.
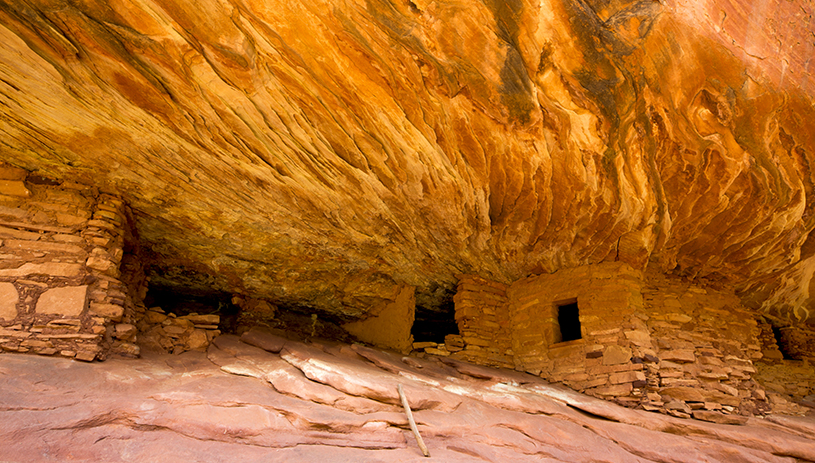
(325, 154)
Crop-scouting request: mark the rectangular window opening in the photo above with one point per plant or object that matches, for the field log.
(568, 318)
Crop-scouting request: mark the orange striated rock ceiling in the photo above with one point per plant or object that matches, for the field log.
(324, 153)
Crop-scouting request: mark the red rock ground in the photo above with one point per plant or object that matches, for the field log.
(263, 398)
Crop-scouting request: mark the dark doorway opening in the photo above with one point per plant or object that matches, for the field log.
(181, 302)
(434, 323)
(782, 343)
(568, 318)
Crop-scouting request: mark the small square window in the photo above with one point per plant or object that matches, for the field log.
(568, 318)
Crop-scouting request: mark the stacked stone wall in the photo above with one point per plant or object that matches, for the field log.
(789, 383)
(798, 342)
(647, 340)
(481, 311)
(61, 245)
(602, 362)
(706, 344)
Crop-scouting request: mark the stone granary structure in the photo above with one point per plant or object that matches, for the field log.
(615, 195)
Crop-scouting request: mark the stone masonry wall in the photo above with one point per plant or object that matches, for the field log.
(61, 245)
(601, 362)
(647, 341)
(706, 343)
(789, 383)
(483, 320)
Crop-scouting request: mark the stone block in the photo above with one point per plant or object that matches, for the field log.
(685, 394)
(175, 331)
(678, 355)
(678, 317)
(65, 324)
(453, 340)
(439, 352)
(576, 377)
(594, 382)
(50, 269)
(198, 340)
(615, 355)
(626, 377)
(63, 238)
(44, 246)
(679, 382)
(424, 344)
(8, 301)
(124, 331)
(707, 360)
(88, 355)
(102, 264)
(712, 406)
(604, 332)
(208, 319)
(111, 311)
(619, 368)
(70, 220)
(716, 417)
(152, 317)
(611, 391)
(127, 349)
(476, 341)
(8, 172)
(14, 188)
(102, 224)
(717, 374)
(68, 301)
(6, 232)
(638, 337)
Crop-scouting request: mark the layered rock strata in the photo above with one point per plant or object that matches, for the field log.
(325, 155)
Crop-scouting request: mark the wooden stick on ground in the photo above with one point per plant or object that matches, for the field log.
(413, 427)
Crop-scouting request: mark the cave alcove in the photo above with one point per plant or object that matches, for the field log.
(433, 322)
(184, 301)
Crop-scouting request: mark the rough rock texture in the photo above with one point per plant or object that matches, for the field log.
(62, 290)
(641, 340)
(288, 401)
(324, 154)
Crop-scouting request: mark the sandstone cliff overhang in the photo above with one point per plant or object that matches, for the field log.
(327, 154)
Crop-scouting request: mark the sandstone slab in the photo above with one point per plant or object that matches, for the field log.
(716, 417)
(111, 311)
(69, 301)
(14, 188)
(687, 394)
(186, 408)
(48, 269)
(8, 301)
(616, 355)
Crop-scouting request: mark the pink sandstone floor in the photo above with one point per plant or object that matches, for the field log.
(266, 399)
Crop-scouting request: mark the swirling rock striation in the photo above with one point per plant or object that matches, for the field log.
(327, 153)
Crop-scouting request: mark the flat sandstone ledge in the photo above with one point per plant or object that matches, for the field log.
(334, 402)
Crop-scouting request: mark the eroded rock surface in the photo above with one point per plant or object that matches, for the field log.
(333, 402)
(326, 154)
